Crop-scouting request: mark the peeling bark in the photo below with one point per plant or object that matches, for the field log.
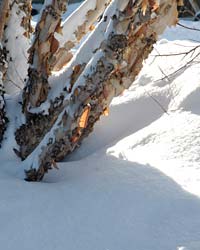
(41, 54)
(3, 68)
(15, 28)
(67, 79)
(88, 14)
(16, 40)
(129, 39)
(4, 12)
(195, 5)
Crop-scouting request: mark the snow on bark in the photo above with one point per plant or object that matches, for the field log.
(195, 5)
(4, 12)
(3, 68)
(74, 29)
(15, 29)
(40, 120)
(16, 40)
(41, 53)
(128, 40)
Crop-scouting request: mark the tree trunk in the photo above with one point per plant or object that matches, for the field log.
(3, 68)
(38, 124)
(88, 14)
(4, 12)
(16, 41)
(195, 5)
(15, 32)
(41, 54)
(105, 64)
(3, 118)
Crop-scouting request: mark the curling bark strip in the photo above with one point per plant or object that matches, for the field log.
(4, 13)
(40, 120)
(129, 39)
(15, 29)
(41, 54)
(75, 28)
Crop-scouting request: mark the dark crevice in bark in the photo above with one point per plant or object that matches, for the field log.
(119, 61)
(3, 68)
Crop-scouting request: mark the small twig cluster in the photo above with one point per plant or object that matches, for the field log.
(192, 53)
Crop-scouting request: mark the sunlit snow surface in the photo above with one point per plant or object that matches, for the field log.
(134, 184)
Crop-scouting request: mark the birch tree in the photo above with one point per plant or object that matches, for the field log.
(15, 32)
(74, 68)
(195, 5)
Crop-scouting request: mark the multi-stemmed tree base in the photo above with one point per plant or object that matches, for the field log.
(61, 110)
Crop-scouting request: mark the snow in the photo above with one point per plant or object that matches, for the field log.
(69, 29)
(133, 184)
(84, 53)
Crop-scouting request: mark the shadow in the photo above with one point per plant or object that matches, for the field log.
(100, 202)
(191, 103)
(117, 205)
(144, 80)
(171, 77)
(143, 111)
(181, 33)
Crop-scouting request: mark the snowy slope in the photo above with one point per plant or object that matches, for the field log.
(134, 184)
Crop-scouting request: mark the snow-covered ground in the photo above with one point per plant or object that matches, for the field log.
(134, 184)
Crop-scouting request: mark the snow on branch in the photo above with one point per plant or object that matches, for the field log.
(78, 24)
(16, 40)
(128, 40)
(3, 68)
(15, 32)
(62, 86)
(41, 53)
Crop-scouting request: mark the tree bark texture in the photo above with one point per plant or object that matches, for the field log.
(16, 40)
(88, 14)
(91, 85)
(15, 32)
(4, 12)
(195, 5)
(42, 53)
(3, 68)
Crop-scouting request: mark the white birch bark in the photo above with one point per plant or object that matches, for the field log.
(4, 12)
(41, 53)
(37, 124)
(195, 5)
(128, 40)
(3, 68)
(75, 28)
(14, 36)
(16, 40)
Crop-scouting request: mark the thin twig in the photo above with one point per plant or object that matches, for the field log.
(18, 75)
(185, 46)
(157, 102)
(17, 86)
(180, 53)
(189, 28)
(169, 81)
(181, 68)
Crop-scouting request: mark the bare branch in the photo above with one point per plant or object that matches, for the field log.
(129, 39)
(186, 27)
